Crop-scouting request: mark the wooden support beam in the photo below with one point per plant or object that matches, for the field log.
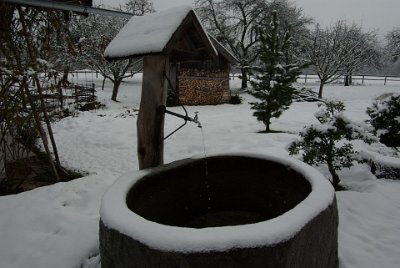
(150, 123)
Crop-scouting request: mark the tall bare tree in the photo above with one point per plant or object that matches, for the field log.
(93, 35)
(291, 18)
(338, 49)
(95, 32)
(232, 22)
(139, 7)
(393, 43)
(366, 55)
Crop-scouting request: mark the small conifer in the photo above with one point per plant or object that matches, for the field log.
(273, 83)
(323, 143)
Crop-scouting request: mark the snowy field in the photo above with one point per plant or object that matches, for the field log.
(57, 226)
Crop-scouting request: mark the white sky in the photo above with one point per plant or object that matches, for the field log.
(380, 15)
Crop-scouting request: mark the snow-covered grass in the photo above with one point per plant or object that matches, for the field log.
(57, 226)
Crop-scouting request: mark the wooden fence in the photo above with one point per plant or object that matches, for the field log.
(92, 74)
(358, 78)
(303, 78)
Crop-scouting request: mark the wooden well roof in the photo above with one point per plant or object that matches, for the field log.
(175, 32)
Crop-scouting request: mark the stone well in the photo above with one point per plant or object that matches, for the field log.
(221, 211)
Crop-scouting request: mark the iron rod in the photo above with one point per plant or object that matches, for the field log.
(70, 7)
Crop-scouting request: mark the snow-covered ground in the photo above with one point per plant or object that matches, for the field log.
(57, 226)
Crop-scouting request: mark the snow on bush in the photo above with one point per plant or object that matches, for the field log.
(325, 143)
(385, 118)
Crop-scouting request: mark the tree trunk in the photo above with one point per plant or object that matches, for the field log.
(321, 87)
(150, 123)
(64, 79)
(267, 126)
(244, 78)
(63, 82)
(117, 83)
(102, 84)
(335, 176)
(347, 80)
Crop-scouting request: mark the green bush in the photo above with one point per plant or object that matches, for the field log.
(235, 99)
(324, 143)
(385, 118)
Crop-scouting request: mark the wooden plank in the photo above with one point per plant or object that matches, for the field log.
(150, 123)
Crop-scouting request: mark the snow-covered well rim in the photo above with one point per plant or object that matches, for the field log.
(116, 215)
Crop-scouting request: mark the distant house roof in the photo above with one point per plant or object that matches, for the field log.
(154, 33)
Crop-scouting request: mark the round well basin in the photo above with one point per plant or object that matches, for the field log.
(221, 211)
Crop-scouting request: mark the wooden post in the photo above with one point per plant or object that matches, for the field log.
(76, 95)
(173, 78)
(93, 90)
(150, 123)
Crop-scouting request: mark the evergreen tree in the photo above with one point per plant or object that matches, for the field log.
(324, 143)
(273, 83)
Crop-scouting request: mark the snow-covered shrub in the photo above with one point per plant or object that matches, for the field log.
(325, 143)
(385, 118)
(305, 95)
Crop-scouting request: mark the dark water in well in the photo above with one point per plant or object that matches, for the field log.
(225, 218)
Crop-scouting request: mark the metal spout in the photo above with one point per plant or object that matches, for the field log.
(195, 119)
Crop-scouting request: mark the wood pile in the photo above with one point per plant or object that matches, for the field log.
(203, 87)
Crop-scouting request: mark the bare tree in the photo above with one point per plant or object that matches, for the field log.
(291, 18)
(139, 7)
(94, 33)
(336, 50)
(366, 55)
(232, 22)
(393, 43)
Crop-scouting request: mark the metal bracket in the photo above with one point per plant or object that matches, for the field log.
(186, 118)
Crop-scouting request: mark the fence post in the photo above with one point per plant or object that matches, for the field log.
(76, 94)
(97, 74)
(93, 95)
(363, 79)
(385, 81)
(305, 79)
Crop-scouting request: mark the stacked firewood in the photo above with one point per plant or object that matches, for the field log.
(203, 87)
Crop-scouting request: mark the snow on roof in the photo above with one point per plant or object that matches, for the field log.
(115, 214)
(147, 34)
